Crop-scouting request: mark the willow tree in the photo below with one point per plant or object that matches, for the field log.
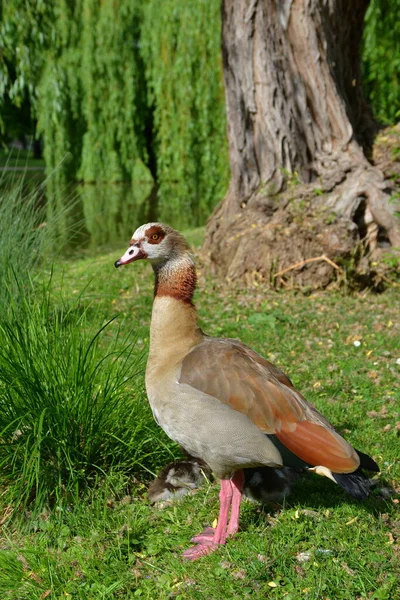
(300, 134)
(180, 45)
(80, 64)
(123, 91)
(381, 59)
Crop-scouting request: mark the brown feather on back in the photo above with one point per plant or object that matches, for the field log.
(240, 378)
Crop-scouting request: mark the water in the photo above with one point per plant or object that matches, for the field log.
(98, 215)
(84, 215)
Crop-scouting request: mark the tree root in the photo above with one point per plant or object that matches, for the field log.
(305, 262)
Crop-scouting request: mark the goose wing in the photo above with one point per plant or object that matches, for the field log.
(239, 377)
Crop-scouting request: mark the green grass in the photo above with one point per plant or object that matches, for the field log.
(65, 402)
(103, 540)
(70, 381)
(23, 240)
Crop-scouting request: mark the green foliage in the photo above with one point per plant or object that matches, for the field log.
(24, 239)
(27, 32)
(115, 83)
(381, 59)
(113, 90)
(39, 39)
(181, 49)
(110, 211)
(68, 411)
(71, 391)
(80, 63)
(125, 86)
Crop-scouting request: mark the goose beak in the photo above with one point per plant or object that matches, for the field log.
(133, 253)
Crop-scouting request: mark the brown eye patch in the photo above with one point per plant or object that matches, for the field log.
(155, 234)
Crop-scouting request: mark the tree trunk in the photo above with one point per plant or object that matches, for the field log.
(299, 133)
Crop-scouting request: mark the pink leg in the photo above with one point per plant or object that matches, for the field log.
(225, 501)
(237, 486)
(207, 541)
(209, 535)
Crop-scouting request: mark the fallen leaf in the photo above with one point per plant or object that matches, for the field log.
(262, 558)
(352, 521)
(303, 557)
(378, 415)
(346, 567)
(239, 574)
(136, 572)
(310, 513)
(372, 374)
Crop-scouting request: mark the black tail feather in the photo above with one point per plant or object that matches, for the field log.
(356, 483)
(366, 462)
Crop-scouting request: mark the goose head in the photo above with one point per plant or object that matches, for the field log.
(155, 242)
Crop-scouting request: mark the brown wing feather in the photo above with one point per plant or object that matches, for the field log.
(242, 379)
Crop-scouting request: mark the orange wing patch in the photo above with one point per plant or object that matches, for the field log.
(319, 446)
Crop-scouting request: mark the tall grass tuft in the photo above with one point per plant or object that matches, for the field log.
(69, 410)
(24, 238)
(72, 407)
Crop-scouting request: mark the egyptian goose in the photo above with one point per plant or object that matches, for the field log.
(265, 484)
(177, 479)
(223, 402)
(261, 484)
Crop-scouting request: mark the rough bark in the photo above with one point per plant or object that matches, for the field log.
(299, 134)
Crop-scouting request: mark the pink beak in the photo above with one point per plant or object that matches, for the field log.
(133, 253)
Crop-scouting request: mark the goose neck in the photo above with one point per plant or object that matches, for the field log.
(174, 327)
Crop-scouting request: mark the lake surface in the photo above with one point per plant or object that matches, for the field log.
(84, 215)
(98, 215)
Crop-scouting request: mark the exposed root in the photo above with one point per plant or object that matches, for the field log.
(389, 281)
(348, 234)
(305, 262)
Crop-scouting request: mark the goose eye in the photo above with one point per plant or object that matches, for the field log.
(155, 236)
